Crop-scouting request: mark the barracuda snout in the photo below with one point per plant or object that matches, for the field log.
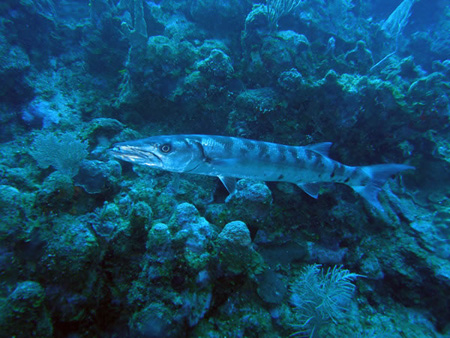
(136, 153)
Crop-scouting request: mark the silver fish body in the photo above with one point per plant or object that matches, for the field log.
(229, 158)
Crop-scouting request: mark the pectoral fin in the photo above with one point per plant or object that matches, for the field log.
(312, 189)
(229, 183)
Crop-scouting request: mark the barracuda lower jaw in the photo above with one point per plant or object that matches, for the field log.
(149, 158)
(141, 157)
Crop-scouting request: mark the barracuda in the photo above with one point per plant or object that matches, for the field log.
(230, 158)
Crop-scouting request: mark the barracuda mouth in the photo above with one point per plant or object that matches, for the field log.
(136, 155)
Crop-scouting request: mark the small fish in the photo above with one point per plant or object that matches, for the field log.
(230, 158)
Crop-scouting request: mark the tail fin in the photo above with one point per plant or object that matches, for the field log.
(379, 174)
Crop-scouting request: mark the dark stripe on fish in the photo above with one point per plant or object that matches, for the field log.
(281, 152)
(249, 144)
(263, 150)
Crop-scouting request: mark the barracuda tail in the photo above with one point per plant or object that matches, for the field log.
(379, 174)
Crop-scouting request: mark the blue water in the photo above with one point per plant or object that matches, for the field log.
(93, 246)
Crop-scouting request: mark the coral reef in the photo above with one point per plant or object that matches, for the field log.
(91, 246)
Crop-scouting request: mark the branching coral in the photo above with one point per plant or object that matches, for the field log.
(320, 297)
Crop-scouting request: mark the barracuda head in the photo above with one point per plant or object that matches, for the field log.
(172, 153)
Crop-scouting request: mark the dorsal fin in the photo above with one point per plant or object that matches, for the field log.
(322, 148)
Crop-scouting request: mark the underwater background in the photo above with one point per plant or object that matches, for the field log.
(91, 246)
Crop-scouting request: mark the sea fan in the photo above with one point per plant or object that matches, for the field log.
(63, 152)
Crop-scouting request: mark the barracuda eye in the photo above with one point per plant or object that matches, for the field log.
(165, 148)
